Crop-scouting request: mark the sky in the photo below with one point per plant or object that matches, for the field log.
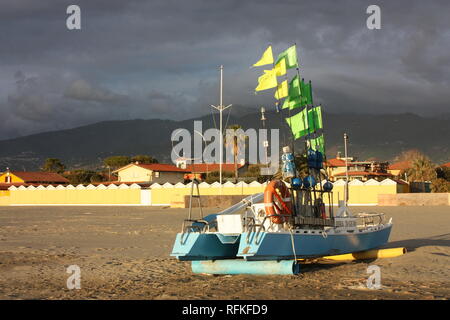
(160, 58)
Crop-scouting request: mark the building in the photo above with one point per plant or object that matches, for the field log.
(154, 172)
(397, 168)
(31, 177)
(363, 175)
(361, 170)
(445, 165)
(201, 170)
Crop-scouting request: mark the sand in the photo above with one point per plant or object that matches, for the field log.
(123, 253)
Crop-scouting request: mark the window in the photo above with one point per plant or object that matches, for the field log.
(156, 174)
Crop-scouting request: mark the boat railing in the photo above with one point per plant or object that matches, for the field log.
(193, 227)
(252, 227)
(370, 219)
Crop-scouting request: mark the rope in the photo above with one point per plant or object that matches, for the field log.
(228, 117)
(293, 244)
(214, 119)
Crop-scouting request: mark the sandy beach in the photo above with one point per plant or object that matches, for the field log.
(123, 253)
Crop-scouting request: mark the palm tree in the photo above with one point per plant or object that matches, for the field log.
(422, 169)
(238, 139)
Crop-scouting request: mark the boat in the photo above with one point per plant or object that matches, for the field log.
(293, 219)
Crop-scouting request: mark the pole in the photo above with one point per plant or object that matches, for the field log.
(220, 108)
(265, 142)
(221, 134)
(346, 169)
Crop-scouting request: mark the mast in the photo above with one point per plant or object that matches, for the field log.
(346, 169)
(265, 142)
(220, 108)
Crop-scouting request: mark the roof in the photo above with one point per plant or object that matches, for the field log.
(210, 167)
(40, 176)
(336, 162)
(155, 167)
(402, 165)
(364, 173)
(446, 165)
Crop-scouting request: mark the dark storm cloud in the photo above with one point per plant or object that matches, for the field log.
(159, 59)
(82, 90)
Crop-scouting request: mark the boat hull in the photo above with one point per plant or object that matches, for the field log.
(205, 246)
(279, 246)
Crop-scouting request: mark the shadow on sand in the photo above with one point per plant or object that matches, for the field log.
(442, 240)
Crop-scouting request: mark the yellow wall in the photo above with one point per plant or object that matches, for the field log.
(395, 173)
(14, 179)
(4, 197)
(74, 196)
(166, 194)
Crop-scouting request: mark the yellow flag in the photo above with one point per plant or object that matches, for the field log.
(280, 67)
(267, 80)
(282, 90)
(267, 58)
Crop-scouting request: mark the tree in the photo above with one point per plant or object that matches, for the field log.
(443, 173)
(115, 162)
(214, 176)
(53, 165)
(236, 140)
(84, 177)
(440, 185)
(422, 169)
(442, 181)
(143, 159)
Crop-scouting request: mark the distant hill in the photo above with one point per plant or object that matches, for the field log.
(371, 136)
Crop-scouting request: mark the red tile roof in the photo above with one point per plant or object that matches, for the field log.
(210, 167)
(161, 167)
(336, 163)
(402, 165)
(40, 177)
(446, 165)
(363, 173)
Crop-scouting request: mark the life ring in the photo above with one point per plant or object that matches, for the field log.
(277, 200)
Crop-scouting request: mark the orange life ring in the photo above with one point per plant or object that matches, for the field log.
(277, 200)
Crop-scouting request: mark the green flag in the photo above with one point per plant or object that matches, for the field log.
(295, 87)
(291, 103)
(291, 57)
(306, 93)
(299, 124)
(317, 144)
(315, 119)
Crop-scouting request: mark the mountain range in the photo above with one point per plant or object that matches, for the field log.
(380, 137)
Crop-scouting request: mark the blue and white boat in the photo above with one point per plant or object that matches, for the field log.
(245, 231)
(289, 221)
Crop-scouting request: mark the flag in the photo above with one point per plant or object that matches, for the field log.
(294, 87)
(317, 144)
(267, 58)
(280, 67)
(299, 124)
(282, 90)
(267, 80)
(291, 57)
(291, 103)
(315, 118)
(306, 93)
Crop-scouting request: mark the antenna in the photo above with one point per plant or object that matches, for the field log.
(265, 142)
(220, 108)
(346, 169)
